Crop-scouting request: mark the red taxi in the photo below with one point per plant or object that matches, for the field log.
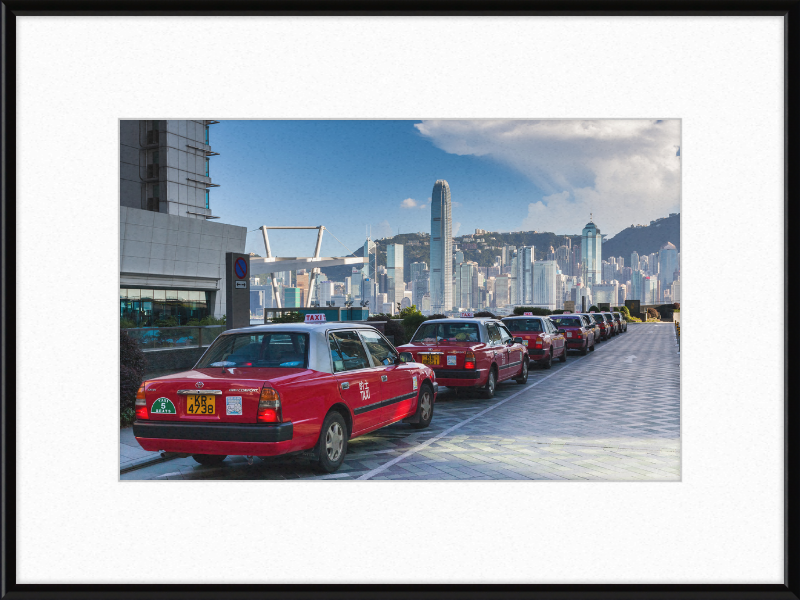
(615, 328)
(623, 324)
(274, 389)
(579, 333)
(542, 338)
(606, 328)
(475, 353)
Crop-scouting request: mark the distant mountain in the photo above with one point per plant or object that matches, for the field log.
(644, 239)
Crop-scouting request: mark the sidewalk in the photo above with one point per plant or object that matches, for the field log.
(131, 453)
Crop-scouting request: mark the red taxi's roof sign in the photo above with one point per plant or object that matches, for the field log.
(567, 312)
(319, 318)
(467, 314)
(529, 314)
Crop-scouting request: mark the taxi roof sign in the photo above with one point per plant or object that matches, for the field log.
(318, 318)
(567, 312)
(467, 314)
(527, 314)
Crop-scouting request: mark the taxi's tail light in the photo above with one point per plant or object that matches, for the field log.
(141, 404)
(539, 340)
(269, 405)
(469, 361)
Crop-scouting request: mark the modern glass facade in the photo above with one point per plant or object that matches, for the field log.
(667, 264)
(525, 274)
(544, 282)
(156, 308)
(394, 273)
(591, 254)
(441, 248)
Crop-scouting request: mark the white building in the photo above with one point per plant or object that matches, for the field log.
(544, 283)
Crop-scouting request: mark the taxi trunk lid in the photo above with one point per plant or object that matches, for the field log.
(208, 395)
(450, 355)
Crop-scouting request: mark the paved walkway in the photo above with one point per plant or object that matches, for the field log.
(131, 453)
(613, 415)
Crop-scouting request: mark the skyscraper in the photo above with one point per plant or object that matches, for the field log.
(667, 264)
(544, 283)
(525, 256)
(441, 248)
(394, 273)
(591, 254)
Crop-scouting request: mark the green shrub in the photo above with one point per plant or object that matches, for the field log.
(558, 312)
(542, 312)
(126, 323)
(631, 319)
(653, 315)
(132, 365)
(593, 308)
(412, 319)
(485, 313)
(437, 316)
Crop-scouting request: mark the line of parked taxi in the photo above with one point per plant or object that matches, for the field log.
(310, 387)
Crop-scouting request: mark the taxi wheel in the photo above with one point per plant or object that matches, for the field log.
(523, 377)
(491, 384)
(332, 443)
(209, 459)
(585, 349)
(592, 348)
(425, 407)
(563, 357)
(549, 362)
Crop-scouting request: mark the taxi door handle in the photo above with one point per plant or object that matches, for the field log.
(345, 385)
(384, 378)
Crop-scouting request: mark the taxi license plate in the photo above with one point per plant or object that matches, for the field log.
(200, 405)
(569, 334)
(430, 359)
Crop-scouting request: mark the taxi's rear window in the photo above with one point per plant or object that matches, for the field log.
(534, 325)
(258, 350)
(566, 321)
(433, 333)
(598, 318)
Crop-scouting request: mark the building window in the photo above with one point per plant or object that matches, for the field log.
(205, 127)
(206, 198)
(163, 308)
(207, 161)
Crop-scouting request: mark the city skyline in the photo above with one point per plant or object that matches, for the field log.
(505, 175)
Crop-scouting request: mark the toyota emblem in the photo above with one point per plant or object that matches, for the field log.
(199, 384)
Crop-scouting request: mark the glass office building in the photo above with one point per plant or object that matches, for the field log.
(441, 248)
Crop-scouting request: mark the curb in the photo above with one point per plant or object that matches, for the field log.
(145, 463)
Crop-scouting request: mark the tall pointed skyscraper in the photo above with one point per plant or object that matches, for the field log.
(591, 254)
(441, 249)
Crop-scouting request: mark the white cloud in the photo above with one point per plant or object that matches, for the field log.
(455, 227)
(409, 203)
(622, 171)
(382, 230)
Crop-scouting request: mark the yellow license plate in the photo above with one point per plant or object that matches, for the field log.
(430, 359)
(200, 405)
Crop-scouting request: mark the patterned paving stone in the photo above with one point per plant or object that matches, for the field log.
(613, 415)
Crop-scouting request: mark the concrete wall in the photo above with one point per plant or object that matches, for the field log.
(168, 251)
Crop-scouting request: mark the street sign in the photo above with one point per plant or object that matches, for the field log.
(465, 315)
(318, 318)
(240, 267)
(241, 285)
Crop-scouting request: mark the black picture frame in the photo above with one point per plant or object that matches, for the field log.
(11, 9)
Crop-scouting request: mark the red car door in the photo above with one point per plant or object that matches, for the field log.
(399, 383)
(513, 363)
(358, 381)
(498, 350)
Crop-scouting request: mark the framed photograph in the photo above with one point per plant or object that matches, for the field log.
(409, 302)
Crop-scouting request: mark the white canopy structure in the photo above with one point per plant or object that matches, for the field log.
(275, 264)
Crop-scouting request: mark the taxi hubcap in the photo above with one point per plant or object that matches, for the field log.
(491, 381)
(524, 369)
(426, 406)
(334, 440)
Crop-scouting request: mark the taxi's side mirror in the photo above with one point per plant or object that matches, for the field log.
(404, 357)
(517, 340)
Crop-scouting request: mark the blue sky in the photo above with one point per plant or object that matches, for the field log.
(503, 175)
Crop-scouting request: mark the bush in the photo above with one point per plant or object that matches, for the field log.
(126, 324)
(437, 316)
(652, 313)
(593, 308)
(521, 310)
(631, 319)
(412, 319)
(210, 320)
(558, 312)
(485, 313)
(132, 365)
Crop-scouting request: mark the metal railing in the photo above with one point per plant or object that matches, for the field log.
(164, 338)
